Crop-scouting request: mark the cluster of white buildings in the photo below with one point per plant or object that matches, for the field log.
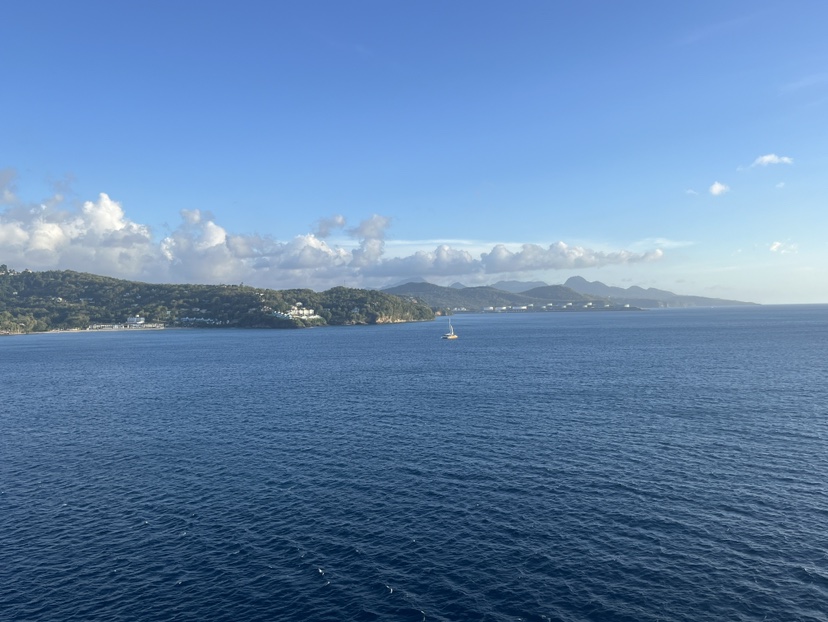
(133, 322)
(561, 306)
(296, 310)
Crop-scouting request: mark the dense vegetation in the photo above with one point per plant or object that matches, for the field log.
(40, 301)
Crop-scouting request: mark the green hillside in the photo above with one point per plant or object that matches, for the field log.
(40, 301)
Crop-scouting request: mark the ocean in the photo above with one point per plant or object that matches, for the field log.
(666, 465)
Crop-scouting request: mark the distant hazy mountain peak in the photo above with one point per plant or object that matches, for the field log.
(413, 279)
(639, 296)
(517, 287)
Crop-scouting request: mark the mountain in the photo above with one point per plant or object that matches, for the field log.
(437, 296)
(557, 293)
(647, 298)
(576, 290)
(478, 298)
(518, 287)
(413, 279)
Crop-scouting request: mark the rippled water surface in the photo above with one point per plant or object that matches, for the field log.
(663, 465)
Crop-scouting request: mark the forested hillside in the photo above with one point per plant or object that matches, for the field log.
(40, 301)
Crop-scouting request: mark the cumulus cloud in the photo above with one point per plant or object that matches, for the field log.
(718, 188)
(442, 261)
(771, 158)
(556, 257)
(7, 187)
(372, 228)
(371, 236)
(326, 226)
(445, 261)
(201, 250)
(97, 236)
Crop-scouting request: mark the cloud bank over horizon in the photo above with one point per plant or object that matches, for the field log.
(98, 237)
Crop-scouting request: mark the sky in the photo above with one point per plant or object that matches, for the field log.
(682, 146)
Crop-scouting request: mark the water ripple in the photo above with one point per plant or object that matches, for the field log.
(637, 467)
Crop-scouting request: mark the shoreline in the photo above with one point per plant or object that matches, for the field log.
(57, 331)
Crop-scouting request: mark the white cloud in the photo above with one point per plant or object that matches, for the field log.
(445, 261)
(771, 158)
(662, 243)
(95, 237)
(98, 237)
(371, 236)
(442, 261)
(781, 184)
(691, 192)
(372, 228)
(718, 188)
(7, 187)
(325, 226)
(12, 236)
(557, 256)
(783, 248)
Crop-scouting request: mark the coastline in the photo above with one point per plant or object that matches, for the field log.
(89, 330)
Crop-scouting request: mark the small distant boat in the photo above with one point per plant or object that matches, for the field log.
(450, 334)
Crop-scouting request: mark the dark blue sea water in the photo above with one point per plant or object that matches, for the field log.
(663, 465)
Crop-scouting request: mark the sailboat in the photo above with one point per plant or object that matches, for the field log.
(450, 334)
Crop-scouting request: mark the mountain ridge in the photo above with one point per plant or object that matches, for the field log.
(637, 295)
(574, 290)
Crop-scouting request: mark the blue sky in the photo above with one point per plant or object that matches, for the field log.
(675, 145)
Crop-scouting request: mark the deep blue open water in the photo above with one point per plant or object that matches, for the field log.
(664, 465)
